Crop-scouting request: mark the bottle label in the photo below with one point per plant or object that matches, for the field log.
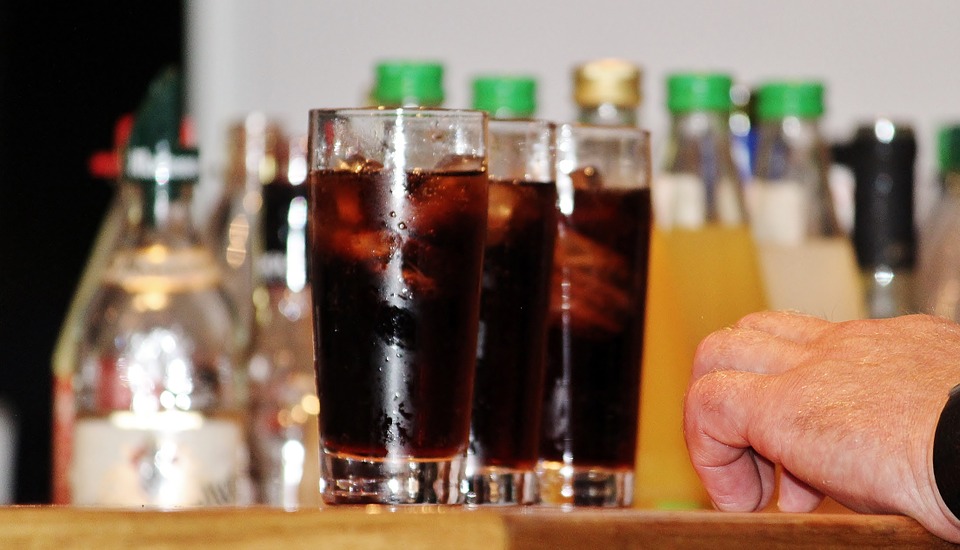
(728, 203)
(166, 460)
(780, 215)
(680, 200)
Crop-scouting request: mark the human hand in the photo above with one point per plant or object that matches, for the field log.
(848, 409)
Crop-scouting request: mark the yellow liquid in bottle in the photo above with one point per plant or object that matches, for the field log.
(700, 281)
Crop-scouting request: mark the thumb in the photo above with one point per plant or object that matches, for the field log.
(719, 416)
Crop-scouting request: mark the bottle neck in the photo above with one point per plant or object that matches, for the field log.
(792, 197)
(608, 114)
(158, 214)
(699, 143)
(700, 125)
(801, 135)
(699, 183)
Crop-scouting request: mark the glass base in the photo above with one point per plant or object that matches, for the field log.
(568, 485)
(499, 486)
(349, 479)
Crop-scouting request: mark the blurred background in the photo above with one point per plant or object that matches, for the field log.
(68, 72)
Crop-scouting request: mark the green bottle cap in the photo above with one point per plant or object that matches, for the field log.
(505, 96)
(948, 147)
(782, 99)
(698, 92)
(154, 153)
(402, 83)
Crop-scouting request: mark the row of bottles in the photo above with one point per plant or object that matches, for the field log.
(196, 342)
(723, 247)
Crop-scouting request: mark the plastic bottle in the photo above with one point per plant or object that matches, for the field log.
(704, 275)
(808, 263)
(408, 84)
(607, 91)
(158, 398)
(882, 156)
(938, 285)
(505, 96)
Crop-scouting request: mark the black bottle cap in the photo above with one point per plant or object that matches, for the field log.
(881, 156)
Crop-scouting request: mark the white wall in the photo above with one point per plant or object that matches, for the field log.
(891, 57)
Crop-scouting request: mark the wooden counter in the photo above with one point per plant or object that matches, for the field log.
(441, 528)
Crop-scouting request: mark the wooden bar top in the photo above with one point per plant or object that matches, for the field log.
(437, 528)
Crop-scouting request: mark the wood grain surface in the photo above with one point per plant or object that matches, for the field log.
(436, 528)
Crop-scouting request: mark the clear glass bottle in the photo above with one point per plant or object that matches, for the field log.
(608, 92)
(233, 222)
(105, 165)
(283, 394)
(406, 83)
(938, 286)
(505, 96)
(808, 263)
(882, 156)
(704, 275)
(158, 400)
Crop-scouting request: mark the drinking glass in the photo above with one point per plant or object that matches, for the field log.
(398, 214)
(595, 329)
(517, 265)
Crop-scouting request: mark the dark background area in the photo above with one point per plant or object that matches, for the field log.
(68, 70)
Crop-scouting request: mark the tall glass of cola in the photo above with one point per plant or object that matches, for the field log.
(398, 213)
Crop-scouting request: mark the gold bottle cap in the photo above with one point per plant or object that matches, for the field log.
(607, 81)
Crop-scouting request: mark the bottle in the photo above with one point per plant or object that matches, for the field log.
(233, 222)
(938, 225)
(704, 275)
(158, 417)
(881, 157)
(408, 84)
(505, 96)
(938, 286)
(283, 397)
(105, 165)
(607, 92)
(808, 263)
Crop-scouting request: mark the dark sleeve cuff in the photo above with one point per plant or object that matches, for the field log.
(946, 453)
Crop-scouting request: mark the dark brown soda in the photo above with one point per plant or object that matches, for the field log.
(595, 334)
(395, 274)
(521, 232)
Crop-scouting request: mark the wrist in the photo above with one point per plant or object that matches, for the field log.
(946, 458)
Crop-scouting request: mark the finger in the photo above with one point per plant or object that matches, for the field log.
(793, 326)
(717, 417)
(747, 350)
(797, 496)
(768, 478)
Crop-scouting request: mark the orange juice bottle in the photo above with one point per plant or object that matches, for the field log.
(704, 275)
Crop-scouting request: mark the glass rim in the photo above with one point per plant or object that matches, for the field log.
(407, 112)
